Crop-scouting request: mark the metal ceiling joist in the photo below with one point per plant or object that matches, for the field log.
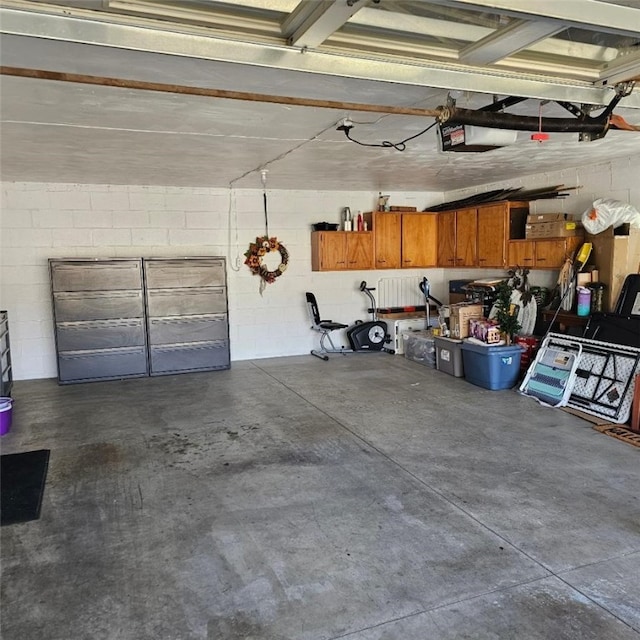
(509, 40)
(402, 26)
(180, 13)
(34, 28)
(622, 69)
(312, 22)
(592, 15)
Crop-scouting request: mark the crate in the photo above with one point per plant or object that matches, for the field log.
(419, 346)
(491, 367)
(449, 356)
(398, 327)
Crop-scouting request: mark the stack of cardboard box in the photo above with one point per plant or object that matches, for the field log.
(551, 225)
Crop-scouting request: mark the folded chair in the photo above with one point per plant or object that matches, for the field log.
(325, 327)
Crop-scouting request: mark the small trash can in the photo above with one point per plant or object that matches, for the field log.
(6, 406)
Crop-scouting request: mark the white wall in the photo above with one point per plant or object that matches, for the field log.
(618, 179)
(39, 221)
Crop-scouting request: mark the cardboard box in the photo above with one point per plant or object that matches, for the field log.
(616, 256)
(534, 218)
(459, 316)
(560, 229)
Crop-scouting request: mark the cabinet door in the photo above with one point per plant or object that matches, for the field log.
(447, 239)
(466, 237)
(328, 250)
(419, 240)
(521, 253)
(550, 254)
(491, 236)
(387, 237)
(359, 250)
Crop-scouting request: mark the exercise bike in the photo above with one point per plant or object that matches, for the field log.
(363, 336)
(371, 335)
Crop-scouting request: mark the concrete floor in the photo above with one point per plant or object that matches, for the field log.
(366, 498)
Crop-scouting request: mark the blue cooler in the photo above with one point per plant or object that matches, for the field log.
(492, 367)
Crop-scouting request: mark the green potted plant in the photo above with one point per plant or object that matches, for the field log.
(506, 313)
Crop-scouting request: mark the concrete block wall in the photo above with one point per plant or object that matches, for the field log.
(40, 221)
(618, 179)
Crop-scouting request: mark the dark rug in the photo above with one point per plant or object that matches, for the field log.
(22, 477)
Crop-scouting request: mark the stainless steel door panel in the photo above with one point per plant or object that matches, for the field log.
(101, 275)
(196, 272)
(100, 334)
(190, 357)
(188, 329)
(96, 305)
(183, 302)
(102, 364)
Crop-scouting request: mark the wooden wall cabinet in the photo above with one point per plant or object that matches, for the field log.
(490, 236)
(447, 239)
(542, 254)
(419, 240)
(466, 237)
(479, 236)
(387, 238)
(404, 240)
(492, 232)
(457, 238)
(341, 250)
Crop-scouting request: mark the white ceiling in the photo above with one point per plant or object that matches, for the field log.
(58, 131)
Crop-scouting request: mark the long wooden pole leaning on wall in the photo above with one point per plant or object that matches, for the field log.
(214, 93)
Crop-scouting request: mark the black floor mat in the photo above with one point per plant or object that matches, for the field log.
(22, 477)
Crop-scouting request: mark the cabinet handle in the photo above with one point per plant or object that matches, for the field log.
(542, 259)
(482, 259)
(381, 260)
(528, 259)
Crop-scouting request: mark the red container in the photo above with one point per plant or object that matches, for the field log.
(530, 346)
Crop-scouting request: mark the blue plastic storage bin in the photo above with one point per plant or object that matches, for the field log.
(491, 367)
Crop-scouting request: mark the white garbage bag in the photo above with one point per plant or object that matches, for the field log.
(607, 212)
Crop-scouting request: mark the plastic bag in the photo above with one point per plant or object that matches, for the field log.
(607, 212)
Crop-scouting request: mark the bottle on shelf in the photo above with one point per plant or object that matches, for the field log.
(348, 223)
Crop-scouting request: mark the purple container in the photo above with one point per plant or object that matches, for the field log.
(5, 415)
